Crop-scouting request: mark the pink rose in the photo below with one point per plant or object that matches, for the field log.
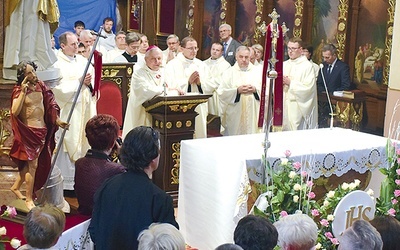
(283, 213)
(297, 165)
(310, 183)
(398, 160)
(397, 151)
(304, 173)
(311, 195)
(398, 171)
(397, 193)
(394, 201)
(397, 182)
(324, 222)
(287, 153)
(11, 212)
(314, 212)
(335, 241)
(328, 235)
(392, 212)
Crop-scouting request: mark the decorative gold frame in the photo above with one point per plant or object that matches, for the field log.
(341, 27)
(298, 18)
(258, 18)
(388, 40)
(158, 32)
(190, 18)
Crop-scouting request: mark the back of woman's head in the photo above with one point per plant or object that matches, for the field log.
(140, 146)
(161, 236)
(102, 131)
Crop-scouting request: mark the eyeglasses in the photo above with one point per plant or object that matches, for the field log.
(81, 52)
(193, 49)
(292, 48)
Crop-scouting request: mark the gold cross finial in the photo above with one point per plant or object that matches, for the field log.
(274, 15)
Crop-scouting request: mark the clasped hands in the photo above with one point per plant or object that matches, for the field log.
(246, 89)
(194, 78)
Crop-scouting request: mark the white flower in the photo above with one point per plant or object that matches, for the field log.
(297, 187)
(284, 161)
(330, 194)
(292, 174)
(352, 186)
(318, 246)
(330, 217)
(296, 198)
(370, 192)
(345, 186)
(15, 243)
(269, 194)
(3, 231)
(357, 182)
(326, 203)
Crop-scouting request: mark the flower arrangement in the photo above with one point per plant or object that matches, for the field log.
(323, 213)
(7, 211)
(388, 201)
(289, 189)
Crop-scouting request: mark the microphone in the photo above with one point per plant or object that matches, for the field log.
(97, 34)
(321, 66)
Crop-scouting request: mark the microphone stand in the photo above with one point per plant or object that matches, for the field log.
(327, 95)
(78, 91)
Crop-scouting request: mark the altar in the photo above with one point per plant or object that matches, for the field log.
(214, 173)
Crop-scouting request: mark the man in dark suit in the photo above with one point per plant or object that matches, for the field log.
(335, 71)
(230, 44)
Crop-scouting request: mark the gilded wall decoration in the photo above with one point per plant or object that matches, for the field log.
(341, 27)
(258, 31)
(298, 18)
(388, 40)
(190, 18)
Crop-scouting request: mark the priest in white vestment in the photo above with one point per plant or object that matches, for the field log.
(300, 107)
(240, 93)
(120, 47)
(191, 75)
(173, 48)
(75, 144)
(29, 25)
(218, 65)
(147, 82)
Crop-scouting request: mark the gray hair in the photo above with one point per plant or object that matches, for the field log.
(225, 25)
(296, 230)
(242, 47)
(361, 236)
(161, 236)
(86, 34)
(329, 47)
(173, 36)
(132, 37)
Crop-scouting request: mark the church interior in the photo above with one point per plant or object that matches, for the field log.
(358, 28)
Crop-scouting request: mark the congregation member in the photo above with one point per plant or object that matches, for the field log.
(120, 47)
(259, 50)
(230, 44)
(218, 65)
(102, 133)
(109, 42)
(389, 229)
(83, 51)
(239, 93)
(34, 121)
(296, 232)
(173, 48)
(130, 202)
(191, 75)
(147, 82)
(335, 71)
(300, 106)
(78, 27)
(254, 61)
(255, 233)
(72, 68)
(308, 51)
(361, 235)
(161, 236)
(130, 54)
(42, 227)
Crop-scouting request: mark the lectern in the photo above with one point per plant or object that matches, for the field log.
(174, 118)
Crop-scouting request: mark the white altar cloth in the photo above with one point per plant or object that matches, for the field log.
(213, 173)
